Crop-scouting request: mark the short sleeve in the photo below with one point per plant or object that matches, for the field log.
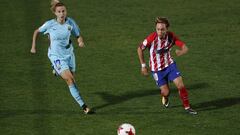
(75, 29)
(177, 41)
(147, 41)
(44, 27)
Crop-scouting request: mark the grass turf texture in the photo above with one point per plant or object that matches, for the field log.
(34, 102)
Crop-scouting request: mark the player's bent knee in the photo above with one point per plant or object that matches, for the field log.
(69, 81)
(164, 90)
(165, 93)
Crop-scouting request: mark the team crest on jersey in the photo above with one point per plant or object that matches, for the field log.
(69, 28)
(145, 42)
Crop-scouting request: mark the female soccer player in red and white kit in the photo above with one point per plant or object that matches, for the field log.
(161, 64)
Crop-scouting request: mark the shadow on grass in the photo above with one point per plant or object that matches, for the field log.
(112, 99)
(217, 104)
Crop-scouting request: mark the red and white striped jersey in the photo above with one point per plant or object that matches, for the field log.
(160, 56)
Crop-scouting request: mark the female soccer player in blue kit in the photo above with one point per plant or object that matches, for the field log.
(60, 51)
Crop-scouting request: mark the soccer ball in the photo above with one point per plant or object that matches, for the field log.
(126, 129)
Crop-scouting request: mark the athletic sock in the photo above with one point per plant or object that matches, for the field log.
(76, 95)
(184, 97)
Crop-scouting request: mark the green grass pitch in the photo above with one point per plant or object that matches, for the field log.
(34, 102)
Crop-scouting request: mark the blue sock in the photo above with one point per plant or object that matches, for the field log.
(76, 95)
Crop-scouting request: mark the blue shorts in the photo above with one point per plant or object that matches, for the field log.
(63, 63)
(169, 73)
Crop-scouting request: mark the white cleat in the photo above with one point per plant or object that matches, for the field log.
(165, 102)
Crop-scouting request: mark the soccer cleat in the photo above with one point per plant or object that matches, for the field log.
(87, 110)
(165, 101)
(191, 111)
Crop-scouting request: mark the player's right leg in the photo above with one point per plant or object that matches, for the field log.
(162, 83)
(165, 93)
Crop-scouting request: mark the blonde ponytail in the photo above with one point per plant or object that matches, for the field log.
(53, 4)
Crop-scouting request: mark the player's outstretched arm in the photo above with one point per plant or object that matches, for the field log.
(80, 41)
(35, 34)
(183, 50)
(144, 69)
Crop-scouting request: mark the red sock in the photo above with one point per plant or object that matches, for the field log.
(184, 97)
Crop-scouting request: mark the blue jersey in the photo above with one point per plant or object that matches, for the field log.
(59, 35)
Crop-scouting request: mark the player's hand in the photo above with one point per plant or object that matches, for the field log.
(81, 44)
(182, 51)
(178, 52)
(144, 71)
(33, 50)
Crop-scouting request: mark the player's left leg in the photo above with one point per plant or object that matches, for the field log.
(175, 76)
(61, 66)
(182, 91)
(69, 78)
(72, 68)
(183, 95)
